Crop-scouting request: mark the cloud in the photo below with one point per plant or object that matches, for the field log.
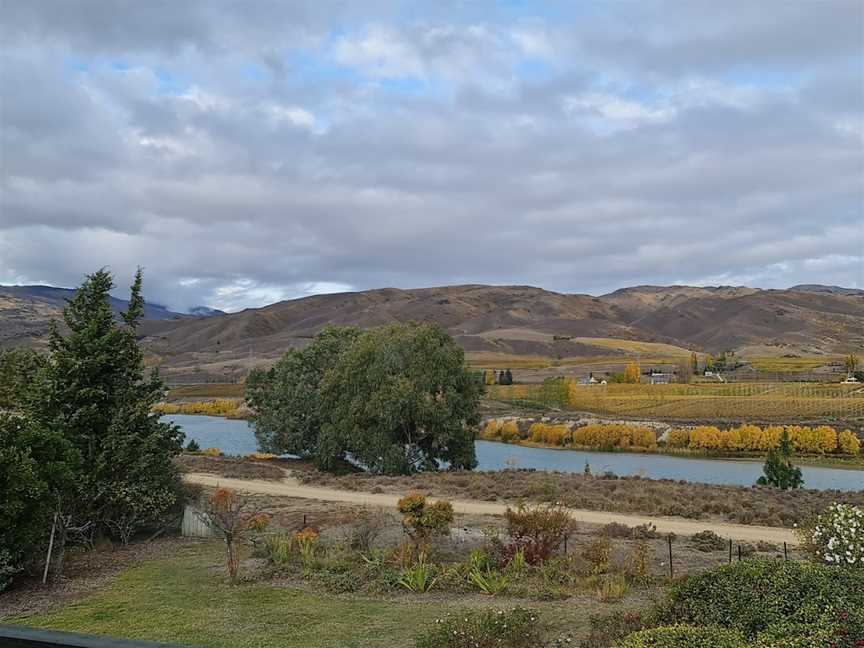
(245, 154)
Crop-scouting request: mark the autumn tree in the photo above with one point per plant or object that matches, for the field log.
(851, 363)
(233, 517)
(632, 373)
(694, 362)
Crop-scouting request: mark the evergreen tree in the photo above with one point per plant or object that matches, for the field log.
(778, 469)
(400, 400)
(96, 396)
(509, 377)
(285, 399)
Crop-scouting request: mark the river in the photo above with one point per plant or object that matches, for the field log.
(236, 437)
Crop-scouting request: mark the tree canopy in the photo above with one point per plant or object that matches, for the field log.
(395, 399)
(285, 399)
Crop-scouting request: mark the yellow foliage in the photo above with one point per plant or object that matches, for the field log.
(492, 429)
(849, 442)
(632, 373)
(261, 456)
(211, 452)
(219, 407)
(705, 437)
(614, 435)
(509, 431)
(489, 376)
(557, 435)
(678, 438)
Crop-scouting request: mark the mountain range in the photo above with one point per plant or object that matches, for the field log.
(490, 320)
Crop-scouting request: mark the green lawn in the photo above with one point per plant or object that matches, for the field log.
(184, 599)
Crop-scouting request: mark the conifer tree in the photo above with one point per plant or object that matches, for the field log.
(96, 395)
(778, 469)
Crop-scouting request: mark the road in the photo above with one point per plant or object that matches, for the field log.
(290, 487)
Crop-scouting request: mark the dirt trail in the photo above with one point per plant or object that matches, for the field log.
(290, 487)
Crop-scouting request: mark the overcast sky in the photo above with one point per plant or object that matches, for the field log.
(245, 152)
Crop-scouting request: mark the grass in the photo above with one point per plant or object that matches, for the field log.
(209, 390)
(184, 599)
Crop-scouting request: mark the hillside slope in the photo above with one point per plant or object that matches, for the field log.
(500, 320)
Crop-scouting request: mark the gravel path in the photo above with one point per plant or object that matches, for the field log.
(290, 487)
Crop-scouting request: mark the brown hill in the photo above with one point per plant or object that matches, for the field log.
(523, 320)
(500, 321)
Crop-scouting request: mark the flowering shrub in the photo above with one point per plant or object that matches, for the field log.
(516, 628)
(838, 535)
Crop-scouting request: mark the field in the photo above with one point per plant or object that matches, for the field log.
(208, 390)
(756, 401)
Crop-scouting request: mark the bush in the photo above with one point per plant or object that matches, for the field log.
(422, 521)
(708, 541)
(684, 636)
(516, 628)
(538, 531)
(838, 536)
(366, 529)
(606, 629)
(749, 596)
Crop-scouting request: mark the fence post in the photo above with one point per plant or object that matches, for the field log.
(739, 553)
(304, 520)
(785, 552)
(730, 551)
(671, 570)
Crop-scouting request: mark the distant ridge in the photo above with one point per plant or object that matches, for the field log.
(496, 321)
(833, 290)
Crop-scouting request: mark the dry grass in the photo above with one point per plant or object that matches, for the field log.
(234, 467)
(738, 504)
(209, 390)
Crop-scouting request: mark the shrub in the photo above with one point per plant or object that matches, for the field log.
(422, 520)
(613, 587)
(749, 596)
(606, 629)
(279, 549)
(838, 536)
(778, 469)
(366, 528)
(8, 568)
(708, 541)
(639, 560)
(489, 581)
(849, 443)
(420, 577)
(684, 636)
(597, 554)
(193, 446)
(537, 531)
(516, 628)
(211, 452)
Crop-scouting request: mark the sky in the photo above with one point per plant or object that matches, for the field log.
(247, 152)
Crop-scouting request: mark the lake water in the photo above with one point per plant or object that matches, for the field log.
(237, 437)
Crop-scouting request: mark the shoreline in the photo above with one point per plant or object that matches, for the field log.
(816, 461)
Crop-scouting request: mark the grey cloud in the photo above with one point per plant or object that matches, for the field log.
(229, 185)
